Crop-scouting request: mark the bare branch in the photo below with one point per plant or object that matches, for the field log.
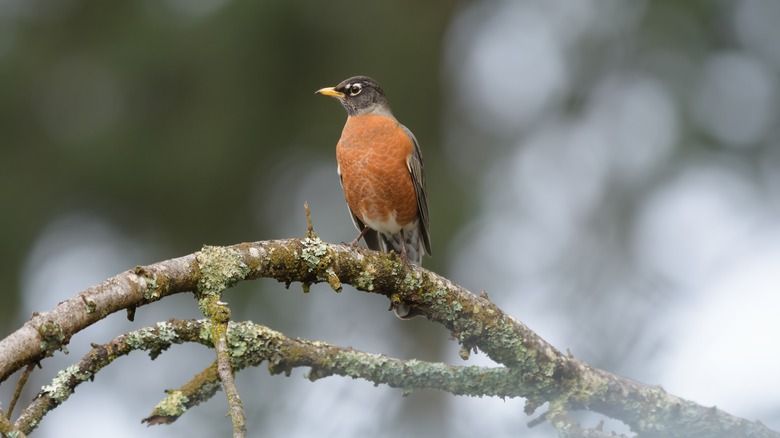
(46, 332)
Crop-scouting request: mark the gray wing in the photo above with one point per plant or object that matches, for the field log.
(415, 164)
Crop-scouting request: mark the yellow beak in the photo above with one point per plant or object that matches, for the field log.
(330, 91)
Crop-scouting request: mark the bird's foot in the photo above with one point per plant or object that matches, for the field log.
(355, 243)
(404, 256)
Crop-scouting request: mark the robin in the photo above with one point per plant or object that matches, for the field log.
(381, 171)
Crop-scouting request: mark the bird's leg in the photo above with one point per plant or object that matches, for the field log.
(404, 256)
(360, 236)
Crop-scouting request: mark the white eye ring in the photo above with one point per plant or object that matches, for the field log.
(355, 89)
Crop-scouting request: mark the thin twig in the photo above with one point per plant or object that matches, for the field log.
(19, 386)
(225, 370)
(309, 224)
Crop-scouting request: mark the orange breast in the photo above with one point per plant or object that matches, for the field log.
(372, 156)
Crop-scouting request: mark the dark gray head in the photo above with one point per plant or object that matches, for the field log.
(359, 95)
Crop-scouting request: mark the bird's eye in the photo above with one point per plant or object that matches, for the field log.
(355, 89)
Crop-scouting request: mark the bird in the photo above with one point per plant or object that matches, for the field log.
(380, 167)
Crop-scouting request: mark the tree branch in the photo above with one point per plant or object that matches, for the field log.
(198, 390)
(477, 323)
(250, 345)
(211, 262)
(9, 430)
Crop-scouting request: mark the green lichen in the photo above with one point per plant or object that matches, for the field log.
(238, 347)
(413, 281)
(248, 342)
(513, 350)
(314, 249)
(174, 405)
(155, 339)
(137, 339)
(435, 296)
(333, 280)
(365, 279)
(214, 309)
(166, 332)
(89, 304)
(205, 332)
(456, 306)
(220, 268)
(437, 299)
(52, 336)
(548, 369)
(61, 386)
(152, 291)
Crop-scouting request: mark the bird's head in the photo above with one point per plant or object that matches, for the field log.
(360, 95)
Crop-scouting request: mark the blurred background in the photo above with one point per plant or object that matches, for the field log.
(607, 171)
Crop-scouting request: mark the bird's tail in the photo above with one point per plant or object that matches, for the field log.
(408, 240)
